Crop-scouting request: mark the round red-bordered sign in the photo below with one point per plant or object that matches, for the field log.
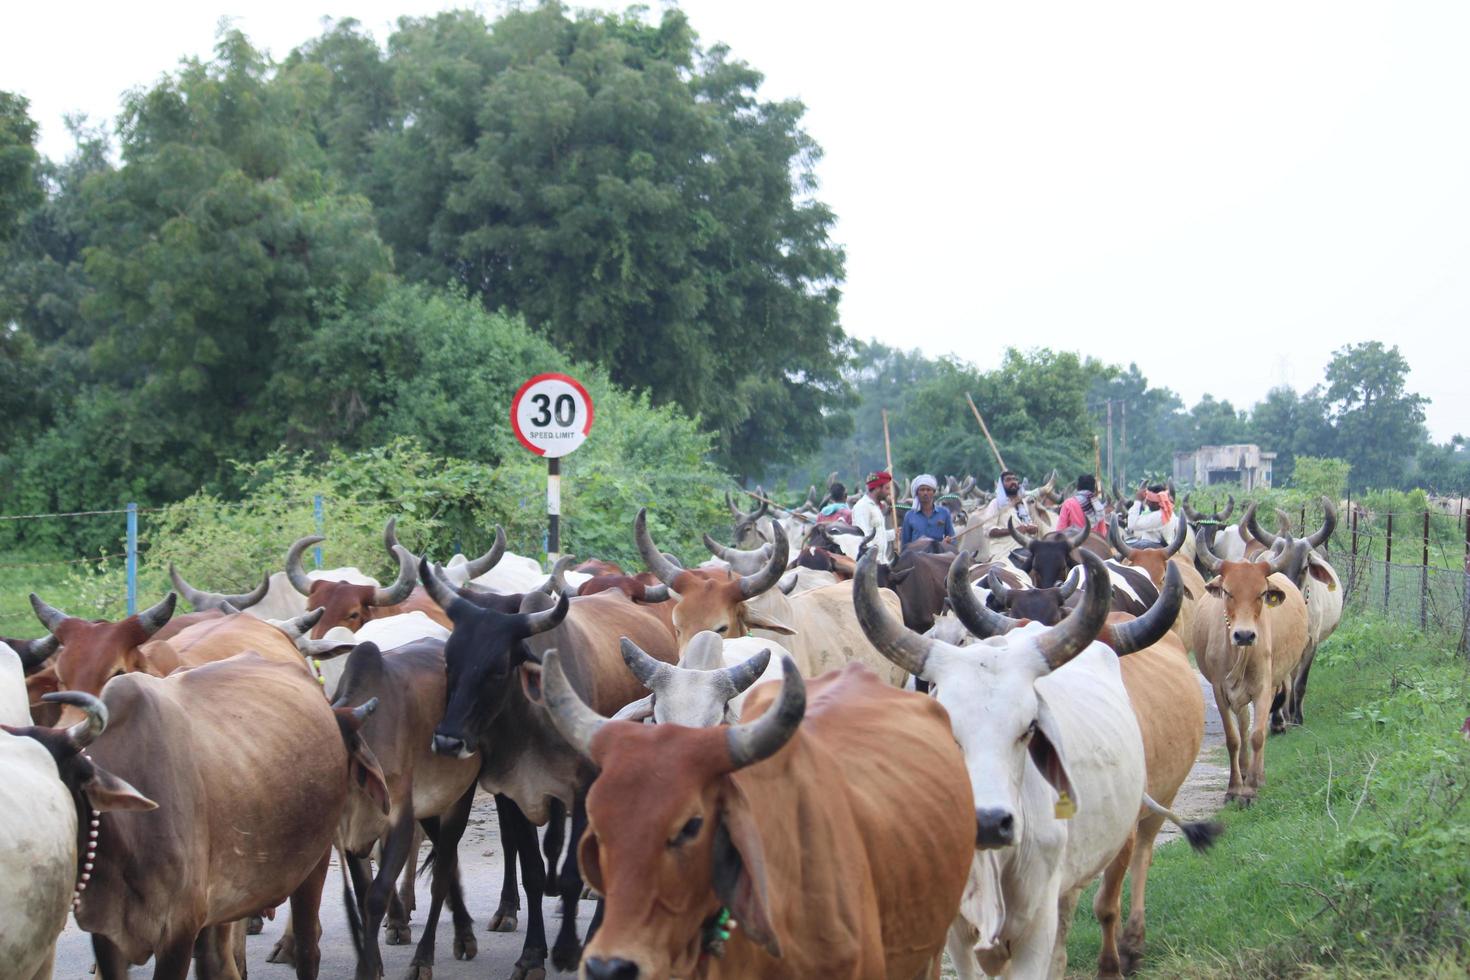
(551, 415)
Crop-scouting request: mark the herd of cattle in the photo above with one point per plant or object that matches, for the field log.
(170, 777)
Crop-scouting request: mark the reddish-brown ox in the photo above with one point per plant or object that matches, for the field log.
(249, 768)
(87, 654)
(350, 604)
(1249, 633)
(837, 836)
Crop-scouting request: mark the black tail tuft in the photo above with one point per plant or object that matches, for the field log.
(428, 862)
(1202, 834)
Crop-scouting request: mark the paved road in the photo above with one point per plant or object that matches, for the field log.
(480, 862)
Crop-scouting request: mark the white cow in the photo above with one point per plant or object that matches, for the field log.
(38, 827)
(1056, 766)
(707, 686)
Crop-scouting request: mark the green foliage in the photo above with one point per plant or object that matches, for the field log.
(18, 159)
(1316, 476)
(623, 189)
(1378, 422)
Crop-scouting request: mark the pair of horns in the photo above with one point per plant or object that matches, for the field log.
(151, 619)
(202, 600)
(747, 743)
(400, 590)
(1075, 538)
(1316, 539)
(452, 602)
(750, 584)
(1125, 550)
(1218, 517)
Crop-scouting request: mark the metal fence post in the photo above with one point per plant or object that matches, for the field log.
(316, 513)
(1465, 597)
(132, 558)
(1387, 561)
(1424, 579)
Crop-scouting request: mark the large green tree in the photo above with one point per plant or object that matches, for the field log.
(1379, 423)
(624, 189)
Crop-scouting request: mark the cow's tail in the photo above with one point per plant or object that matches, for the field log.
(349, 900)
(1200, 834)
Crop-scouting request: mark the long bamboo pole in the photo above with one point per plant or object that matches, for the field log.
(893, 504)
(985, 430)
(766, 500)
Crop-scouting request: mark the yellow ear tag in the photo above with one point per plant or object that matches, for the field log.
(1331, 586)
(1065, 808)
(1274, 598)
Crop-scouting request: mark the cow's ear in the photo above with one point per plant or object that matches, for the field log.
(144, 663)
(1274, 597)
(589, 861)
(740, 869)
(1214, 588)
(756, 620)
(41, 682)
(895, 578)
(366, 773)
(104, 791)
(531, 682)
(1046, 752)
(1318, 571)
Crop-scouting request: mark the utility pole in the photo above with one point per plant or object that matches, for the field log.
(1110, 442)
(1123, 445)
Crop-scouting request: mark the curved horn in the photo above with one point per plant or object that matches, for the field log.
(1071, 636)
(390, 536)
(751, 742)
(1169, 486)
(657, 593)
(201, 600)
(651, 673)
(1319, 537)
(1253, 526)
(548, 619)
(811, 496)
(569, 713)
(294, 572)
(153, 618)
(754, 585)
(1077, 540)
(765, 506)
(1190, 514)
(361, 712)
(1074, 579)
(479, 566)
(742, 562)
(734, 511)
(998, 588)
(1149, 628)
(652, 557)
(559, 574)
(298, 627)
(788, 582)
(1205, 554)
(403, 587)
(892, 638)
(440, 590)
(1229, 509)
(1283, 523)
(34, 653)
(83, 733)
(973, 613)
(747, 672)
(1011, 526)
(1179, 535)
(1116, 539)
(1282, 558)
(50, 616)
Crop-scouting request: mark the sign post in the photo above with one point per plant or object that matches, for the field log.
(552, 415)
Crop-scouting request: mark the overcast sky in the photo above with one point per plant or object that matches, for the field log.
(1223, 193)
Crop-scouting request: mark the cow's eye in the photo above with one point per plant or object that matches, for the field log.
(722, 629)
(688, 832)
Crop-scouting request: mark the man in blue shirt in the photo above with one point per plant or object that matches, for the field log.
(926, 520)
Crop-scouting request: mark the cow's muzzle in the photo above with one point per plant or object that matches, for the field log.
(994, 827)
(614, 969)
(450, 745)
(1244, 638)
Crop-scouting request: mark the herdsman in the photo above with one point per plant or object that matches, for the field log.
(868, 514)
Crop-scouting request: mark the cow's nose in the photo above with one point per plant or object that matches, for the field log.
(448, 745)
(994, 828)
(1245, 638)
(599, 969)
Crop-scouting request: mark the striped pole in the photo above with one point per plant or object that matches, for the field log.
(316, 512)
(132, 558)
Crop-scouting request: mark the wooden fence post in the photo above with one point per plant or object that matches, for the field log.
(1424, 579)
(1387, 561)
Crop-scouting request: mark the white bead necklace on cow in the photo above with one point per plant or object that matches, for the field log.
(85, 875)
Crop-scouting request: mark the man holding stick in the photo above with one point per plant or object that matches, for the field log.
(1009, 502)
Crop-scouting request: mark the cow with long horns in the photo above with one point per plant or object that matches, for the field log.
(1321, 590)
(826, 835)
(1055, 760)
(492, 663)
(1250, 631)
(1154, 561)
(350, 604)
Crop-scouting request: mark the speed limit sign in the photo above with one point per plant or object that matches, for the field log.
(551, 415)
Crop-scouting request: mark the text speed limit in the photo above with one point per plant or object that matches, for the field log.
(551, 414)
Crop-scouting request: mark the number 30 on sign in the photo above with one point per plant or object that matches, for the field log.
(551, 415)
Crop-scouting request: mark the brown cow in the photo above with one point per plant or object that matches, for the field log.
(644, 589)
(1250, 631)
(250, 770)
(825, 841)
(351, 605)
(1153, 561)
(90, 653)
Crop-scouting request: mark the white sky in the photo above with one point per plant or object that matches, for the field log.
(1176, 184)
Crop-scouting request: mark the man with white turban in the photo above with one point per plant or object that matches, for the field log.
(925, 520)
